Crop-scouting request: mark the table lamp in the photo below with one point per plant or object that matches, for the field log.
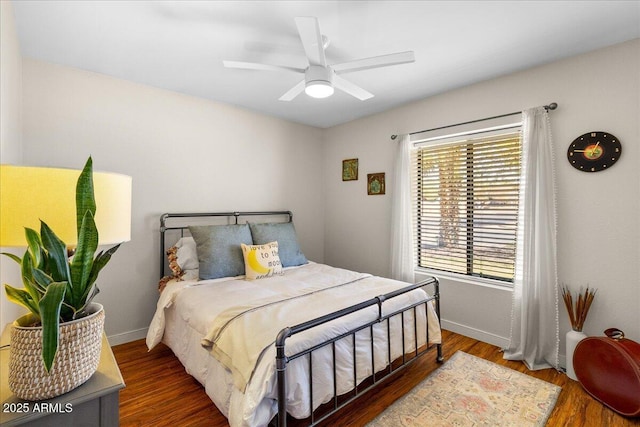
(30, 194)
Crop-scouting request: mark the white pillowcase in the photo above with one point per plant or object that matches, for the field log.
(187, 254)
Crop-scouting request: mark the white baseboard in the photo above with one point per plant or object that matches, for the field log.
(126, 337)
(477, 334)
(487, 337)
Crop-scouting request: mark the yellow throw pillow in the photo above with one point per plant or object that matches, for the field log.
(261, 261)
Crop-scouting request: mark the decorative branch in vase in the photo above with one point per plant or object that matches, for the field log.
(578, 313)
(577, 316)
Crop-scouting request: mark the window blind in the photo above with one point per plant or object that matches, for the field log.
(465, 195)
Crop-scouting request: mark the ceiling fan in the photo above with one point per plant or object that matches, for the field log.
(320, 79)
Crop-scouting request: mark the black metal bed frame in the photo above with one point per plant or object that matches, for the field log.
(377, 377)
(282, 359)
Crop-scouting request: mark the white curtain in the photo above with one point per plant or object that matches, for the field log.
(534, 320)
(401, 216)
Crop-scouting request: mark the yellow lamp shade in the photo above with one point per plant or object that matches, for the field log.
(31, 194)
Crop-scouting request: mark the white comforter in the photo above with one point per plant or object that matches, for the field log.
(245, 348)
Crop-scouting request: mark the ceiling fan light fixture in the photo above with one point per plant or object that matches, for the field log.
(318, 89)
(318, 81)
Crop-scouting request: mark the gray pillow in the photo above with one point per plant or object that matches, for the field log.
(285, 234)
(218, 247)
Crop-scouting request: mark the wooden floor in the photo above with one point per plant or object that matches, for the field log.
(160, 393)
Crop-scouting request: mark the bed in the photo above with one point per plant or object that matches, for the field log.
(272, 336)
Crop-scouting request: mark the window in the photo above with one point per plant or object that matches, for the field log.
(466, 204)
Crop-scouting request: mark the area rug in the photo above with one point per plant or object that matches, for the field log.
(470, 391)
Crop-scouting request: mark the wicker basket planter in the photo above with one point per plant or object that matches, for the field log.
(77, 358)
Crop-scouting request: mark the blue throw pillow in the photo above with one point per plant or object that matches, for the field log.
(219, 251)
(285, 234)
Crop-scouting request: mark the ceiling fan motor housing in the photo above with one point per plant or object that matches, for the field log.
(317, 75)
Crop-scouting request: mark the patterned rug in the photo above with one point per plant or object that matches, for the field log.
(470, 391)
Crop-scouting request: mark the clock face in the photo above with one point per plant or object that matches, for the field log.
(594, 151)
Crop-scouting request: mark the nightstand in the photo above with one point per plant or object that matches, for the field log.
(94, 403)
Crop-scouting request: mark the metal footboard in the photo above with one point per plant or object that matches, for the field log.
(282, 360)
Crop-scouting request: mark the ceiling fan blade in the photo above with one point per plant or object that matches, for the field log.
(293, 92)
(350, 88)
(374, 62)
(312, 42)
(261, 67)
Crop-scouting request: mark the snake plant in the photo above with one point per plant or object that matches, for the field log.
(59, 288)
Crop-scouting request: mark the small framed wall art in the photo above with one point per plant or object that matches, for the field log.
(375, 183)
(350, 170)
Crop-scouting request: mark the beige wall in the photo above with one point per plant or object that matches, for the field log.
(10, 88)
(190, 154)
(598, 214)
(10, 134)
(185, 155)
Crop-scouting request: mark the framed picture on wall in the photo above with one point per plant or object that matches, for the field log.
(375, 183)
(350, 170)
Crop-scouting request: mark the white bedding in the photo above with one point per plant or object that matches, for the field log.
(187, 312)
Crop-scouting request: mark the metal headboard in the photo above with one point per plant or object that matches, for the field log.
(235, 216)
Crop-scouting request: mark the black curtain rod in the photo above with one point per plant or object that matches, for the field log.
(551, 106)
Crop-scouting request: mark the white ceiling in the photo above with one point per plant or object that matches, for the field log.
(180, 45)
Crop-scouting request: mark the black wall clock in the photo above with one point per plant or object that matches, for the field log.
(594, 151)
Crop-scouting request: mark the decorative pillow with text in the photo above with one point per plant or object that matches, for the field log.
(261, 261)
